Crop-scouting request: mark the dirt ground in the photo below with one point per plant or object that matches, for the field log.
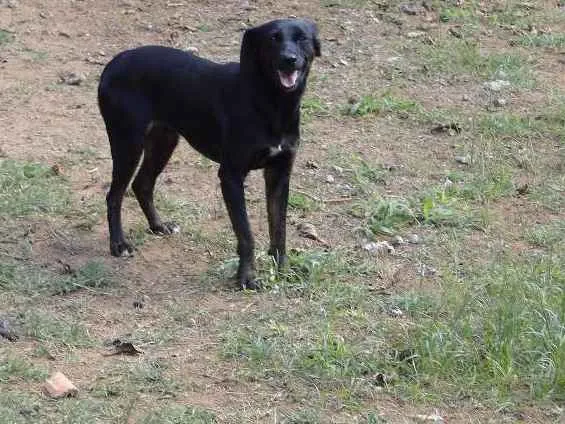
(48, 121)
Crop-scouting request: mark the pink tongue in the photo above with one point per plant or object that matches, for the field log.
(288, 79)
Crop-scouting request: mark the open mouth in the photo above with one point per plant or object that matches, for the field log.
(288, 79)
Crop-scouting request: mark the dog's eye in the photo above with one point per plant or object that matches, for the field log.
(300, 37)
(276, 37)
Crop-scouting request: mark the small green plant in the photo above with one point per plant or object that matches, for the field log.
(313, 107)
(5, 37)
(387, 216)
(384, 104)
(301, 202)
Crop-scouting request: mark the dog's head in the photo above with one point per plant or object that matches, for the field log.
(282, 51)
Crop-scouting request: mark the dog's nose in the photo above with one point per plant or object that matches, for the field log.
(288, 59)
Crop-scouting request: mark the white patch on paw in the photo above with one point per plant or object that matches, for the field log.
(126, 254)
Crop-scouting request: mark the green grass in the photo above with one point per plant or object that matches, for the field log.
(5, 37)
(301, 202)
(499, 333)
(457, 204)
(542, 40)
(31, 189)
(179, 414)
(30, 281)
(54, 329)
(464, 57)
(385, 103)
(313, 107)
(13, 369)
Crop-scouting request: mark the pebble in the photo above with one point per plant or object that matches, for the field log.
(413, 238)
(462, 159)
(397, 241)
(330, 179)
(496, 85)
(426, 270)
(71, 78)
(500, 102)
(410, 9)
(379, 248)
(396, 312)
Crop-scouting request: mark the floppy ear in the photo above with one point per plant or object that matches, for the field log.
(315, 38)
(250, 48)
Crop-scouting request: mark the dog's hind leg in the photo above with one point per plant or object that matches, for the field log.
(126, 152)
(160, 142)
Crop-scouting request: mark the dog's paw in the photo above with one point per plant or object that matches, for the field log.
(250, 284)
(166, 229)
(121, 249)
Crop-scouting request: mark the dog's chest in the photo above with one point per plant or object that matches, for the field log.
(284, 147)
(273, 151)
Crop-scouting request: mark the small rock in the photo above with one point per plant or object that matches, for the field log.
(410, 9)
(500, 102)
(426, 270)
(413, 239)
(58, 386)
(307, 230)
(433, 418)
(397, 241)
(462, 159)
(379, 248)
(71, 78)
(496, 85)
(465, 98)
(415, 34)
(396, 312)
(330, 179)
(192, 49)
(310, 164)
(337, 169)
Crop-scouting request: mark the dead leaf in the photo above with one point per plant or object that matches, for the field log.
(123, 348)
(308, 231)
(6, 332)
(450, 129)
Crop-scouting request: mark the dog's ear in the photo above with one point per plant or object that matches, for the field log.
(250, 46)
(315, 38)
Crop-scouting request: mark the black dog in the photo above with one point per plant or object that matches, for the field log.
(243, 115)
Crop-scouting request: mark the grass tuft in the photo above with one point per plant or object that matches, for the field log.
(30, 188)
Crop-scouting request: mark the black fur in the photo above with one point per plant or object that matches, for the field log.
(242, 115)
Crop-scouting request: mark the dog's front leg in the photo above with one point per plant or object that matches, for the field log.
(277, 179)
(232, 190)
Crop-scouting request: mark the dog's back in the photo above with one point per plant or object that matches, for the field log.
(157, 81)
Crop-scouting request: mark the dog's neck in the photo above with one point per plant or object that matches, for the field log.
(270, 102)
